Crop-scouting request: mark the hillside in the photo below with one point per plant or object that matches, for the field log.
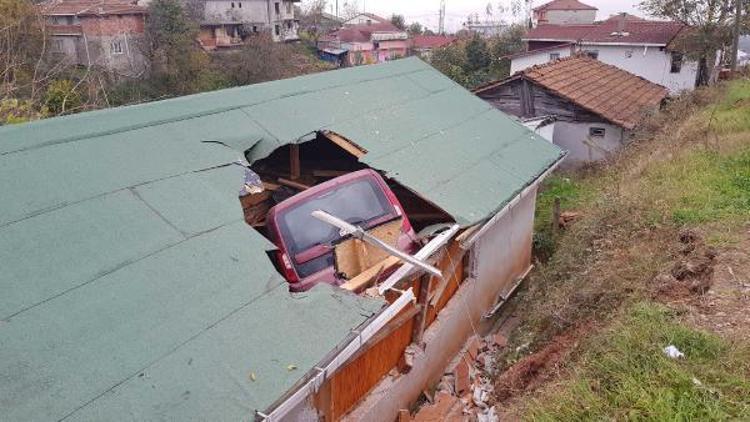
(656, 253)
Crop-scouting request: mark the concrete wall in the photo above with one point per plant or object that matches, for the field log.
(500, 256)
(520, 63)
(652, 63)
(568, 17)
(112, 42)
(574, 138)
(257, 12)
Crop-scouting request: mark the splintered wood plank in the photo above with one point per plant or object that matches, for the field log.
(346, 144)
(294, 164)
(367, 277)
(354, 256)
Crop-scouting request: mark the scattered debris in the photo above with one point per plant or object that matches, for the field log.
(567, 218)
(465, 392)
(673, 352)
(252, 376)
(693, 272)
(291, 367)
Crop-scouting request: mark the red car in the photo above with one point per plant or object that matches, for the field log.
(306, 244)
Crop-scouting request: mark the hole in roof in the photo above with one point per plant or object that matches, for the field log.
(282, 190)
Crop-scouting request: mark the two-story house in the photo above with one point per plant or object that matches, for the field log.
(106, 34)
(644, 48)
(368, 43)
(227, 23)
(564, 12)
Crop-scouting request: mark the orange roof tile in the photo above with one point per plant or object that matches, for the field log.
(617, 95)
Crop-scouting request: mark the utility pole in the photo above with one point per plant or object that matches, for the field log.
(737, 27)
(441, 25)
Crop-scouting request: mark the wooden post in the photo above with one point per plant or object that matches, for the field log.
(556, 215)
(424, 303)
(294, 165)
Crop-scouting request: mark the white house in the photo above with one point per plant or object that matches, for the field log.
(227, 23)
(641, 47)
(564, 12)
(589, 106)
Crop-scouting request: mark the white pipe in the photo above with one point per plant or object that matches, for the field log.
(359, 233)
(427, 251)
(470, 241)
(310, 387)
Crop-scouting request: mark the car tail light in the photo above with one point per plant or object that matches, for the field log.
(286, 267)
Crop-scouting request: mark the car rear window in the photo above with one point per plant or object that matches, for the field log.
(358, 202)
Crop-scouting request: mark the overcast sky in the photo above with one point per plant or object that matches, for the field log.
(426, 11)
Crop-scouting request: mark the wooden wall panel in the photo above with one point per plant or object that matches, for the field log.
(352, 383)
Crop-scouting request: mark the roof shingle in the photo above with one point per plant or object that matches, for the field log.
(631, 31)
(608, 91)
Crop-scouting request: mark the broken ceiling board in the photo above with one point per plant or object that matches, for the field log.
(353, 256)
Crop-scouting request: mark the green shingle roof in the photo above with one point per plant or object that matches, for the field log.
(132, 288)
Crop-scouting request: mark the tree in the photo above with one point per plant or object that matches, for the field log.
(398, 21)
(260, 59)
(710, 22)
(415, 29)
(477, 54)
(350, 9)
(509, 42)
(22, 49)
(178, 65)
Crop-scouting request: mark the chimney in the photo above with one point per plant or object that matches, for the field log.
(621, 20)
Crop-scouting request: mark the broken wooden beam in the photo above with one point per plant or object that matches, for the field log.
(368, 276)
(294, 164)
(329, 173)
(292, 184)
(346, 144)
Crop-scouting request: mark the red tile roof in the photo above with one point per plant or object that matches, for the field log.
(432, 41)
(605, 90)
(91, 7)
(562, 33)
(564, 5)
(631, 31)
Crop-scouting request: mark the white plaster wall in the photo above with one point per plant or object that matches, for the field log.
(570, 17)
(650, 63)
(574, 138)
(520, 63)
(255, 11)
(504, 251)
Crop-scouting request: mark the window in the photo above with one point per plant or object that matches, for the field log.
(232, 5)
(58, 45)
(277, 8)
(554, 56)
(676, 66)
(289, 8)
(116, 47)
(239, 5)
(594, 54)
(277, 30)
(289, 25)
(255, 29)
(597, 132)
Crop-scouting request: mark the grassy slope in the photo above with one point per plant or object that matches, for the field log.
(690, 169)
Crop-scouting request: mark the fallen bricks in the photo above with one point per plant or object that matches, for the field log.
(463, 393)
